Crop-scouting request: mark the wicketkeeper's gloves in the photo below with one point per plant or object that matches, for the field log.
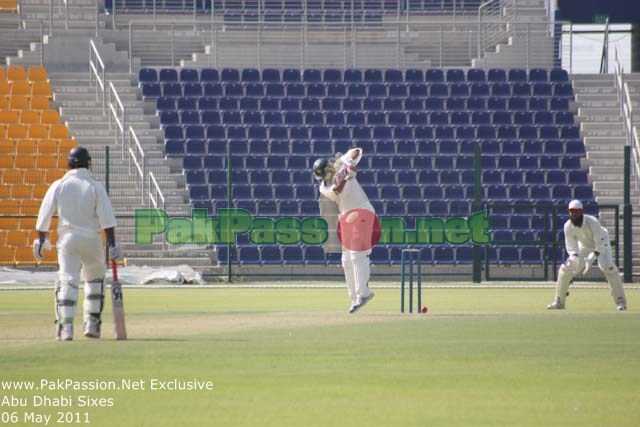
(593, 256)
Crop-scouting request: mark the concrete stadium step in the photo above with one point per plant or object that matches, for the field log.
(590, 127)
(606, 141)
(607, 185)
(599, 112)
(88, 96)
(591, 97)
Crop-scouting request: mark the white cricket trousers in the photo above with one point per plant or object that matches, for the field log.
(80, 257)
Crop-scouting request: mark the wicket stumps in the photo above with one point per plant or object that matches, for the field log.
(411, 256)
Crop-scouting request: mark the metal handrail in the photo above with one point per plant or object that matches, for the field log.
(155, 193)
(97, 68)
(626, 112)
(118, 115)
(350, 39)
(137, 157)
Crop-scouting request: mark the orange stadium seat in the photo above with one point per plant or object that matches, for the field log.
(3, 131)
(5, 87)
(9, 207)
(58, 131)
(29, 207)
(25, 162)
(16, 73)
(20, 88)
(26, 147)
(22, 191)
(16, 131)
(41, 89)
(3, 74)
(33, 176)
(4, 102)
(7, 162)
(50, 117)
(40, 103)
(37, 74)
(39, 190)
(31, 235)
(52, 175)
(6, 255)
(28, 223)
(9, 117)
(66, 145)
(19, 102)
(13, 177)
(7, 147)
(8, 223)
(38, 131)
(8, 5)
(62, 162)
(30, 117)
(50, 257)
(24, 255)
(47, 147)
(3, 237)
(46, 162)
(16, 238)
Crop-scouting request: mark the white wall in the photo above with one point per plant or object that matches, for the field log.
(582, 47)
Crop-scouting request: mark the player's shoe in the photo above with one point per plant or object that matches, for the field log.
(622, 307)
(362, 303)
(64, 332)
(92, 328)
(556, 305)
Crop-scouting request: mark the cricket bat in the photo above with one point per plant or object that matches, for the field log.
(117, 305)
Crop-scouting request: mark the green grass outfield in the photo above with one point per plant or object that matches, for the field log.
(294, 357)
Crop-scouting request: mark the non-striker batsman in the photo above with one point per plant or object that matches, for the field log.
(84, 210)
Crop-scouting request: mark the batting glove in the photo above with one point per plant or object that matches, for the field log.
(115, 250)
(38, 246)
(593, 256)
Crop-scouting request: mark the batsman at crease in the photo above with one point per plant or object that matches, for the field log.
(340, 193)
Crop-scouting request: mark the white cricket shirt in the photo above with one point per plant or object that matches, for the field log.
(590, 235)
(352, 196)
(82, 204)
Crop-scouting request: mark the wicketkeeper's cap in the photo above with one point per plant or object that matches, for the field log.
(575, 205)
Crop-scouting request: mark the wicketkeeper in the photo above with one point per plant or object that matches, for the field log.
(338, 183)
(586, 240)
(84, 210)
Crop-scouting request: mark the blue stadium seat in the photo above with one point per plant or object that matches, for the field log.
(497, 75)
(414, 76)
(168, 75)
(147, 75)
(559, 75)
(209, 75)
(443, 255)
(476, 75)
(517, 75)
(314, 255)
(538, 75)
(508, 255)
(434, 75)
